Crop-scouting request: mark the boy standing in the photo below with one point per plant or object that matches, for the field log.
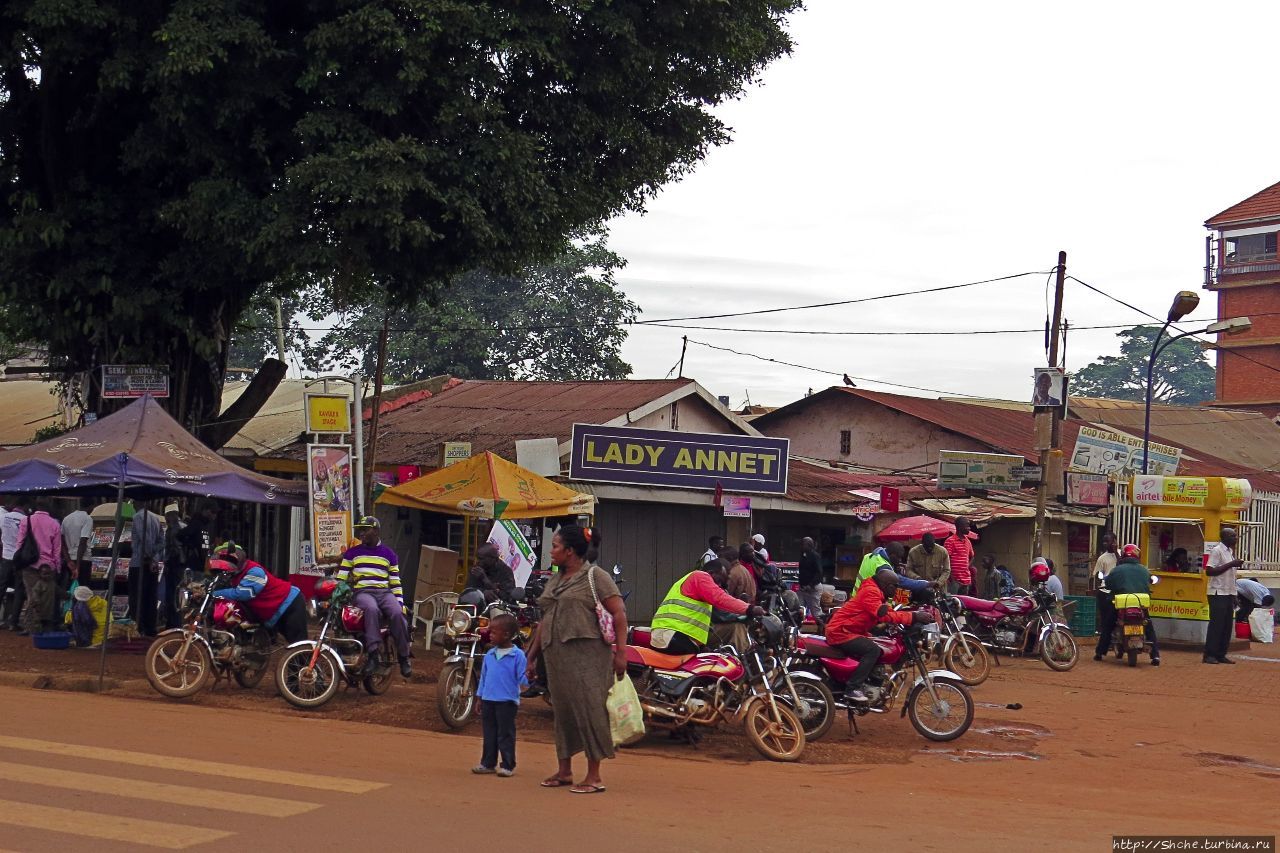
(502, 675)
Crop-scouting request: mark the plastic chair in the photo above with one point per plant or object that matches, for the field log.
(438, 605)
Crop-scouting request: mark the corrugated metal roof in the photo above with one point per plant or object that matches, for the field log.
(1260, 205)
(820, 484)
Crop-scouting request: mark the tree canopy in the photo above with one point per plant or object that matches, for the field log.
(560, 320)
(1183, 376)
(163, 163)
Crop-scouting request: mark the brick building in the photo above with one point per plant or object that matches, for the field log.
(1243, 267)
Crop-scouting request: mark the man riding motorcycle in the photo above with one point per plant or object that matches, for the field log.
(374, 572)
(1129, 575)
(275, 603)
(850, 628)
(682, 623)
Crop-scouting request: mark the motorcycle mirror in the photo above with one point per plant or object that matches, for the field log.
(1101, 576)
(617, 570)
(1154, 580)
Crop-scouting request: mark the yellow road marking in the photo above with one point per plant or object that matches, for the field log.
(192, 765)
(152, 833)
(159, 792)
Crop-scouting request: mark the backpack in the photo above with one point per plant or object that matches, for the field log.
(28, 552)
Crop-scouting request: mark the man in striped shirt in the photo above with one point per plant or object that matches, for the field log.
(960, 553)
(373, 571)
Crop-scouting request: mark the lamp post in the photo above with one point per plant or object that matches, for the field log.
(1183, 304)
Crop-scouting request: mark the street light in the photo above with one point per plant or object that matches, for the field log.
(1183, 304)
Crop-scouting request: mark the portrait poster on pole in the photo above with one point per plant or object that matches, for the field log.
(329, 485)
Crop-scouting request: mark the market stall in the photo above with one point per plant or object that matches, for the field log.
(1180, 522)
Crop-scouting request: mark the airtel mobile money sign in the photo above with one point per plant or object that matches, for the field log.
(681, 460)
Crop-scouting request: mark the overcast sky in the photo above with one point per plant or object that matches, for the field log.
(907, 146)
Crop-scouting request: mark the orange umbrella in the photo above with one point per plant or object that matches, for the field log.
(488, 486)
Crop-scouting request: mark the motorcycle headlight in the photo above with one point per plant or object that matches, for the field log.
(458, 622)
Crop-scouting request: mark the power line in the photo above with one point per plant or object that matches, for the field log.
(838, 302)
(833, 372)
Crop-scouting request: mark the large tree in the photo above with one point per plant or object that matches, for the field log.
(162, 162)
(559, 320)
(1183, 376)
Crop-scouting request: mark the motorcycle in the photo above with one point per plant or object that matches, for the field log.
(938, 703)
(465, 643)
(217, 637)
(1133, 621)
(703, 689)
(803, 691)
(958, 650)
(1021, 624)
(309, 672)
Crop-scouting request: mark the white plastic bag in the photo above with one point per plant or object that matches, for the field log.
(626, 717)
(1262, 625)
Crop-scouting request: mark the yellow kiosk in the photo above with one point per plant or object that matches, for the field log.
(1180, 522)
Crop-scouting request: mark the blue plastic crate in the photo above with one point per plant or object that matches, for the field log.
(51, 640)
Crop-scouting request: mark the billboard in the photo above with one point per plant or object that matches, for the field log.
(680, 460)
(329, 486)
(963, 470)
(126, 381)
(1100, 451)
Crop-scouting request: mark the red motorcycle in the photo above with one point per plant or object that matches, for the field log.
(1022, 624)
(701, 690)
(937, 701)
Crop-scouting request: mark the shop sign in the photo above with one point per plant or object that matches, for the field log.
(960, 470)
(1237, 494)
(1149, 490)
(329, 485)
(1027, 472)
(1100, 451)
(454, 451)
(889, 497)
(328, 413)
(1163, 608)
(125, 381)
(737, 506)
(682, 460)
(1087, 489)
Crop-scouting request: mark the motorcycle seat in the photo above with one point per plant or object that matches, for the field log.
(978, 605)
(819, 648)
(658, 660)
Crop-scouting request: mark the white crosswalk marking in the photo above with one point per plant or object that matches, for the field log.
(151, 833)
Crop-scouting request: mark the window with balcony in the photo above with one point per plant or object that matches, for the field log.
(1251, 247)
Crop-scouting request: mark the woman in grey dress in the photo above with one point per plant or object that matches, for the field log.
(581, 667)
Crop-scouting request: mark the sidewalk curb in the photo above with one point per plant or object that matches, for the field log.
(62, 681)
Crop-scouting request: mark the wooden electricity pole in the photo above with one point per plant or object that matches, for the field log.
(1055, 415)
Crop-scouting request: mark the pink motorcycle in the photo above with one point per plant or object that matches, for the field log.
(1021, 625)
(937, 701)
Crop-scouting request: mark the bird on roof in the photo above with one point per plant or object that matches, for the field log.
(848, 381)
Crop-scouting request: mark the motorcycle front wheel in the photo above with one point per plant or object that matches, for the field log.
(780, 740)
(455, 696)
(813, 704)
(171, 678)
(973, 666)
(946, 719)
(1059, 650)
(303, 685)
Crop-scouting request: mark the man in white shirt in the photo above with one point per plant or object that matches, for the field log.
(714, 546)
(757, 542)
(77, 530)
(10, 577)
(1222, 596)
(1250, 595)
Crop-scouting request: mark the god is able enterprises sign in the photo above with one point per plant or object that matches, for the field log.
(682, 460)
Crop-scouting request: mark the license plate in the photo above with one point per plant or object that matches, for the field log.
(902, 596)
(1133, 629)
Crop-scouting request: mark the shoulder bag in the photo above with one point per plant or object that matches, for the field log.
(603, 616)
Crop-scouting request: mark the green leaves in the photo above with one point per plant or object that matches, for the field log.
(1183, 375)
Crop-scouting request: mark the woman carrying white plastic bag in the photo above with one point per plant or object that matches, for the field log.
(626, 717)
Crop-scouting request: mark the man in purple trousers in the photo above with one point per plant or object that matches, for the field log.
(373, 571)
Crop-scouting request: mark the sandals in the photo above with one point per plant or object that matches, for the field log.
(556, 782)
(587, 789)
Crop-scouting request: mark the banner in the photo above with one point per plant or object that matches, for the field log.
(962, 470)
(682, 460)
(513, 549)
(329, 485)
(1100, 451)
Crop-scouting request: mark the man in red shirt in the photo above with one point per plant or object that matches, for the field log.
(850, 627)
(960, 550)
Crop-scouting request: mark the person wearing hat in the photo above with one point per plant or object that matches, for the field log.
(757, 542)
(1130, 575)
(275, 603)
(373, 570)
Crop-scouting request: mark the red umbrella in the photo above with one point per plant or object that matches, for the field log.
(905, 529)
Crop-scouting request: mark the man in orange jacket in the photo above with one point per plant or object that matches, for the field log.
(850, 628)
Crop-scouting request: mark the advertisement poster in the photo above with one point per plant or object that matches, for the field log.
(1050, 388)
(737, 507)
(329, 485)
(963, 470)
(1100, 451)
(1149, 490)
(127, 381)
(513, 549)
(1087, 489)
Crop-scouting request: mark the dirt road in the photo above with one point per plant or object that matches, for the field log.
(80, 771)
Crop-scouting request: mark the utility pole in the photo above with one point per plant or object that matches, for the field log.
(683, 346)
(280, 331)
(372, 461)
(1046, 454)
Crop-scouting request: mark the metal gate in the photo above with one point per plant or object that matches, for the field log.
(1260, 540)
(1124, 515)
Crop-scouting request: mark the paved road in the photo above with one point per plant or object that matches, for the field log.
(86, 772)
